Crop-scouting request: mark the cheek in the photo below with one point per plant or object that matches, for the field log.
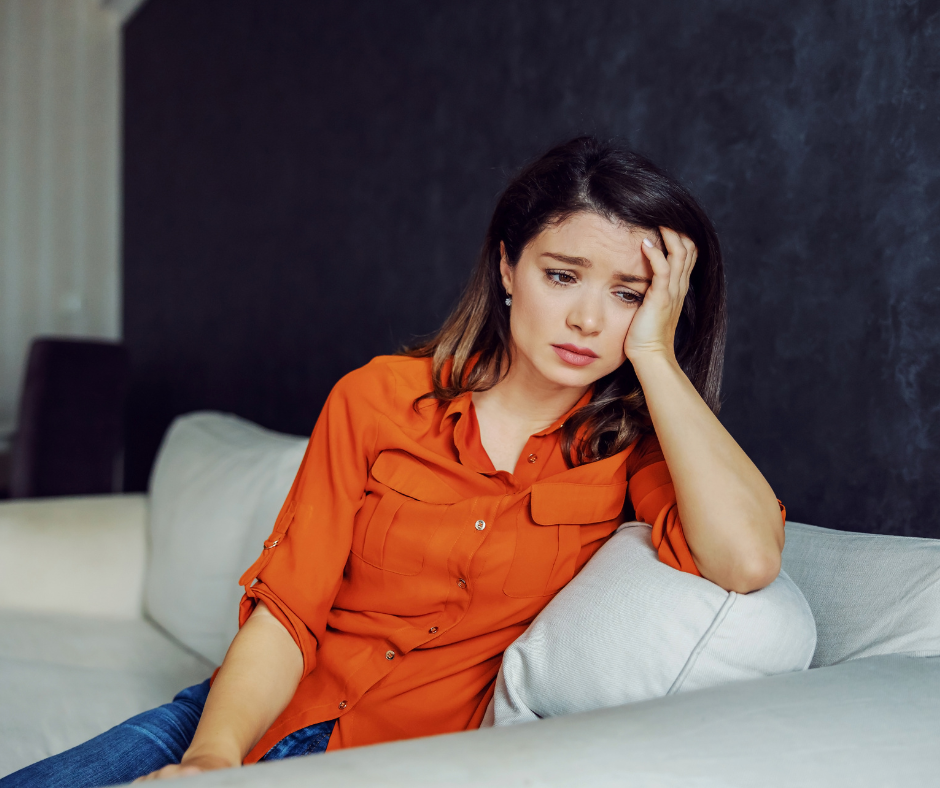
(527, 322)
(625, 325)
(618, 327)
(535, 317)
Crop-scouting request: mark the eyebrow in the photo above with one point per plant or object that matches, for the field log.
(583, 262)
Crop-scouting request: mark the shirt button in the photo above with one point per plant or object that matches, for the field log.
(389, 655)
(342, 705)
(462, 583)
(532, 458)
(479, 525)
(433, 630)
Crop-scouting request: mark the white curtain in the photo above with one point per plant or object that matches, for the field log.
(59, 178)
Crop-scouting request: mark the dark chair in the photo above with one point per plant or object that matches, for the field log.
(70, 435)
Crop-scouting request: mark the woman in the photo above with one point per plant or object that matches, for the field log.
(449, 492)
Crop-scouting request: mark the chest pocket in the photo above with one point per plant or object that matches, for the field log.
(548, 534)
(407, 507)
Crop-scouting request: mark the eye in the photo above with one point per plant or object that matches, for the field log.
(629, 296)
(561, 277)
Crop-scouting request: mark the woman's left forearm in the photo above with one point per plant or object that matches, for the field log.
(728, 511)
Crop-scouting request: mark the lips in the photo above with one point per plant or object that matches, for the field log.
(574, 355)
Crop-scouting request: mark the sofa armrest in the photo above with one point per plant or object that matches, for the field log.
(870, 594)
(74, 555)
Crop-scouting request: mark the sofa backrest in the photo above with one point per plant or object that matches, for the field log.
(219, 482)
(870, 594)
(215, 491)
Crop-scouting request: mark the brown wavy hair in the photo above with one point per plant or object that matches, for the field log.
(585, 174)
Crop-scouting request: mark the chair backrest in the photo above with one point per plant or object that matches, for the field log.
(70, 434)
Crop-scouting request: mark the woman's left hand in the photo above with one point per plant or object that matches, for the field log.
(195, 765)
(653, 329)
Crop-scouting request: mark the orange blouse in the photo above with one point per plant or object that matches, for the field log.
(403, 563)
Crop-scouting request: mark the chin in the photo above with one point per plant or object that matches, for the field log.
(562, 374)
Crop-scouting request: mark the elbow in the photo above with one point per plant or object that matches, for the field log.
(760, 564)
(755, 573)
(748, 558)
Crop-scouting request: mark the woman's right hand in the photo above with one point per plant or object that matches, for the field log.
(257, 679)
(194, 765)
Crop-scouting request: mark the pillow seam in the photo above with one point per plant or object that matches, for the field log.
(703, 642)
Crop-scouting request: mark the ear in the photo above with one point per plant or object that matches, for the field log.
(505, 269)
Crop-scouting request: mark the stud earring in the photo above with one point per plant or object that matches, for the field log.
(509, 301)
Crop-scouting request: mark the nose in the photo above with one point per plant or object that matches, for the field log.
(587, 314)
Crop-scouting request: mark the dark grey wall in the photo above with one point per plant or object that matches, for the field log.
(306, 185)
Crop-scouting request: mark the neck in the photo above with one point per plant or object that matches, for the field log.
(529, 398)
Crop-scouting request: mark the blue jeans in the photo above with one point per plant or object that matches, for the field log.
(144, 744)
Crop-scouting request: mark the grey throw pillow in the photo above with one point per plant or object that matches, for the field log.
(629, 628)
(217, 486)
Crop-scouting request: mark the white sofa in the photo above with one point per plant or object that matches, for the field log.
(110, 605)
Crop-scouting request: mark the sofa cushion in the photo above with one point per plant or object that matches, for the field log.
(629, 628)
(870, 594)
(66, 678)
(215, 492)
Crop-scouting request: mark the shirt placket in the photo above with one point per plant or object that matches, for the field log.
(473, 524)
(531, 460)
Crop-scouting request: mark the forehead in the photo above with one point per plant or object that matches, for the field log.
(607, 244)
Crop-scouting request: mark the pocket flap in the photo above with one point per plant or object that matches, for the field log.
(406, 474)
(557, 503)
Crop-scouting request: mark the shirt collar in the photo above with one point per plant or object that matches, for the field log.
(460, 406)
(466, 432)
(457, 407)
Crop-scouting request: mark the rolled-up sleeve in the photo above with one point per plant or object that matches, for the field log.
(653, 496)
(299, 571)
(654, 501)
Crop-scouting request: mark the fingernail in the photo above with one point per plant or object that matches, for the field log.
(648, 242)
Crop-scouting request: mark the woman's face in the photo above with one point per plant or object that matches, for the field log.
(575, 291)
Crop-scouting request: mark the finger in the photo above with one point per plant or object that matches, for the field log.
(691, 257)
(658, 262)
(683, 245)
(688, 262)
(672, 241)
(690, 250)
(184, 771)
(150, 777)
(687, 277)
(170, 770)
(691, 266)
(677, 257)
